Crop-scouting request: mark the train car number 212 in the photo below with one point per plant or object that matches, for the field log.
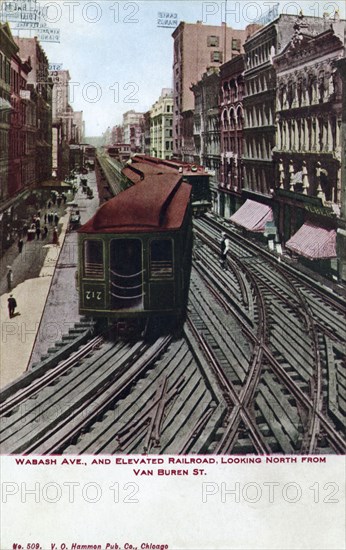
(94, 296)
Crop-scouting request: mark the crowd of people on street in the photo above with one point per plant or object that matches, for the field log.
(40, 225)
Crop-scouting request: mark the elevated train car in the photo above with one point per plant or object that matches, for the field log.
(135, 254)
(142, 166)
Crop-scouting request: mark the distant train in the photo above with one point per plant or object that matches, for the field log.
(135, 254)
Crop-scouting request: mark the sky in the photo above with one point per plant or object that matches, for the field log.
(119, 58)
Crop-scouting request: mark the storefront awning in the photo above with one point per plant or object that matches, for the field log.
(253, 216)
(313, 242)
(55, 184)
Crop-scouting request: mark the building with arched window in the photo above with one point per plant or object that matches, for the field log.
(231, 110)
(206, 129)
(307, 156)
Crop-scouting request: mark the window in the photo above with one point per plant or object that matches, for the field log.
(161, 259)
(216, 57)
(93, 259)
(236, 44)
(213, 41)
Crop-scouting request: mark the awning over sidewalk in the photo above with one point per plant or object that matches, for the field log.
(313, 242)
(55, 184)
(253, 216)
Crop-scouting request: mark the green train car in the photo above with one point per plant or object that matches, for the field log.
(135, 254)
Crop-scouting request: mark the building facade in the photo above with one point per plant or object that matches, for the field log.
(78, 127)
(117, 134)
(132, 125)
(231, 107)
(21, 171)
(341, 232)
(161, 126)
(40, 83)
(197, 48)
(146, 139)
(7, 49)
(207, 127)
(307, 156)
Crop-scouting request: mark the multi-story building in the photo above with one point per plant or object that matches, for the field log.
(307, 156)
(7, 49)
(231, 138)
(146, 133)
(260, 99)
(161, 126)
(62, 114)
(78, 127)
(40, 83)
(21, 171)
(341, 231)
(132, 124)
(197, 47)
(17, 134)
(207, 127)
(117, 134)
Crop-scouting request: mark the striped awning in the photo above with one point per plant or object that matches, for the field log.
(313, 242)
(253, 216)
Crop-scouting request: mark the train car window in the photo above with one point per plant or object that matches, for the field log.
(161, 259)
(93, 259)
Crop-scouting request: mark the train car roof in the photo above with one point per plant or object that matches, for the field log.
(157, 203)
(142, 166)
(137, 171)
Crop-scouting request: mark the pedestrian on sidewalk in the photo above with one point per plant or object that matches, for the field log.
(49, 205)
(12, 304)
(50, 217)
(25, 229)
(20, 245)
(45, 218)
(45, 232)
(37, 222)
(55, 236)
(38, 232)
(56, 218)
(9, 279)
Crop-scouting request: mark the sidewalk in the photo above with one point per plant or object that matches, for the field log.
(61, 310)
(18, 334)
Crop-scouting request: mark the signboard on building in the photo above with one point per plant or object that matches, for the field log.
(55, 66)
(48, 35)
(21, 11)
(167, 20)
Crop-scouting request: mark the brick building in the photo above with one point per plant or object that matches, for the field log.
(231, 139)
(207, 126)
(41, 85)
(21, 172)
(197, 48)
